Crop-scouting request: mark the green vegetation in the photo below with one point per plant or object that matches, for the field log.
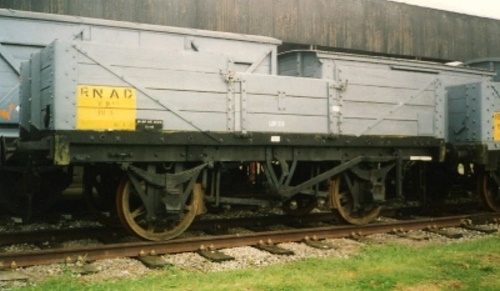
(471, 265)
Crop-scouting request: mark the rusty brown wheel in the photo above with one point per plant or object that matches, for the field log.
(299, 205)
(489, 189)
(133, 215)
(342, 200)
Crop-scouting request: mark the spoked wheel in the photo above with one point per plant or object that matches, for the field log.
(132, 213)
(99, 191)
(299, 205)
(342, 199)
(489, 189)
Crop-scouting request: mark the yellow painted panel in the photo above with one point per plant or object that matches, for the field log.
(106, 108)
(496, 120)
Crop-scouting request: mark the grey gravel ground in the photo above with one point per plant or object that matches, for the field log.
(245, 257)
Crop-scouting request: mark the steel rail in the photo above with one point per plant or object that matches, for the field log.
(136, 249)
(60, 235)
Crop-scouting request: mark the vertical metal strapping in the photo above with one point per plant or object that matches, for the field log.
(35, 98)
(332, 73)
(274, 61)
(440, 104)
(231, 114)
(243, 107)
(230, 106)
(331, 108)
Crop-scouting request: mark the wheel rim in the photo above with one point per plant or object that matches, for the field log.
(132, 213)
(299, 205)
(342, 202)
(489, 191)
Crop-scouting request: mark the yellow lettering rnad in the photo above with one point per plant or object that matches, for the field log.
(105, 108)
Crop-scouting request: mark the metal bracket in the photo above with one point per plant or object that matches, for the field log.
(169, 187)
(236, 107)
(341, 85)
(376, 178)
(281, 100)
(334, 107)
(243, 107)
(286, 172)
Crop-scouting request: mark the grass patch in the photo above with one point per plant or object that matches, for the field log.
(471, 265)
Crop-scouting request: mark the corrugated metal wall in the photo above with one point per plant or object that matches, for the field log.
(367, 25)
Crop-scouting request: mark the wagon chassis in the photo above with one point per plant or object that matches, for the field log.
(151, 146)
(349, 171)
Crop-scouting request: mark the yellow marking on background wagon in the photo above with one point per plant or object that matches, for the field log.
(106, 108)
(496, 122)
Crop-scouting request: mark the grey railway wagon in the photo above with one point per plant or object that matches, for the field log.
(381, 96)
(161, 128)
(23, 33)
(89, 86)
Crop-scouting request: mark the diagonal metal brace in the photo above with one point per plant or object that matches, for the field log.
(287, 193)
(11, 61)
(397, 107)
(177, 194)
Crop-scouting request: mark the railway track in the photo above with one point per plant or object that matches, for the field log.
(207, 225)
(152, 249)
(211, 226)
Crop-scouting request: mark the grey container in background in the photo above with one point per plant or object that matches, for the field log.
(492, 64)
